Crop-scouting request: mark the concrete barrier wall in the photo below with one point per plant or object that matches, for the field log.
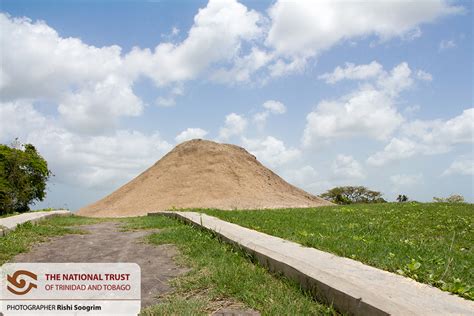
(8, 224)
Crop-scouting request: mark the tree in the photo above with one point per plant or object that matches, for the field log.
(453, 198)
(352, 194)
(23, 177)
(402, 198)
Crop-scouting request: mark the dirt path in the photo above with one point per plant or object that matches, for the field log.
(106, 243)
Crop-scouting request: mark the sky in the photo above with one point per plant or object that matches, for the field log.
(325, 93)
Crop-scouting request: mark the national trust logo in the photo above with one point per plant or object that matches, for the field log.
(19, 285)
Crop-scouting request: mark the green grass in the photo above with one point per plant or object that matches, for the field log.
(25, 235)
(432, 243)
(219, 273)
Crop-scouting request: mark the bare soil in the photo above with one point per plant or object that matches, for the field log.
(105, 243)
(203, 174)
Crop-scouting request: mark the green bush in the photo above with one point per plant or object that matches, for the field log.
(23, 177)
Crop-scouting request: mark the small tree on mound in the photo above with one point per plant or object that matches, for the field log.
(23, 177)
(352, 194)
(454, 198)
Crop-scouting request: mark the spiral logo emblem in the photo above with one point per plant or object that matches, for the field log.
(22, 286)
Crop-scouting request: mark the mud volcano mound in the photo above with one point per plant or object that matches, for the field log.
(202, 174)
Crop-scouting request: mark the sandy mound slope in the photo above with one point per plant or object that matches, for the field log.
(202, 174)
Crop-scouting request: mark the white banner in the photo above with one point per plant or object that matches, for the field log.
(70, 289)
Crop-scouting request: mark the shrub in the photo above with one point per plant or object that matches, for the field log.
(454, 198)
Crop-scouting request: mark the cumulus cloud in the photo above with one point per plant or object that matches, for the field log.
(370, 110)
(301, 176)
(19, 118)
(216, 36)
(97, 108)
(395, 150)
(305, 28)
(423, 75)
(271, 151)
(460, 166)
(353, 72)
(85, 82)
(271, 107)
(366, 112)
(428, 138)
(190, 133)
(446, 44)
(274, 107)
(92, 86)
(86, 161)
(37, 62)
(403, 181)
(243, 67)
(234, 125)
(345, 166)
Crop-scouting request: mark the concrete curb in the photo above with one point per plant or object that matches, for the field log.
(350, 286)
(8, 224)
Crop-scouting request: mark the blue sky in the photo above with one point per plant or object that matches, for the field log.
(324, 93)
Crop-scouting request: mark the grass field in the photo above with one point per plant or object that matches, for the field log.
(431, 243)
(219, 274)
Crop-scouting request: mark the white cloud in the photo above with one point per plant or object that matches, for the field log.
(446, 44)
(243, 67)
(395, 150)
(165, 101)
(305, 28)
(423, 75)
(271, 107)
(271, 151)
(92, 86)
(282, 67)
(85, 161)
(399, 79)
(190, 133)
(260, 119)
(234, 125)
(440, 134)
(353, 72)
(301, 176)
(402, 181)
(371, 110)
(460, 166)
(98, 161)
(215, 36)
(18, 119)
(428, 138)
(37, 62)
(366, 112)
(347, 167)
(85, 82)
(275, 107)
(412, 109)
(97, 108)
